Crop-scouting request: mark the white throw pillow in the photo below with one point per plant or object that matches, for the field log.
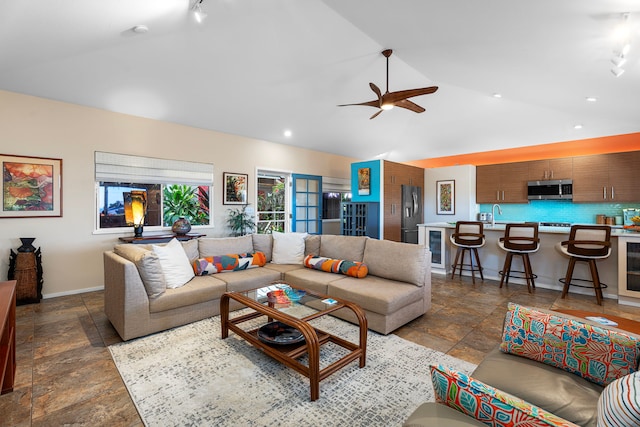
(174, 263)
(288, 248)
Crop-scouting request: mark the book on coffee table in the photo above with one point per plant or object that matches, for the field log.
(602, 320)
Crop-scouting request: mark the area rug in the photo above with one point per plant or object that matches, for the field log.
(189, 376)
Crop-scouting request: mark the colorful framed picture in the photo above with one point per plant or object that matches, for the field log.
(31, 186)
(364, 181)
(446, 193)
(235, 188)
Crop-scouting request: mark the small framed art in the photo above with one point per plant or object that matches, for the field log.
(31, 186)
(235, 188)
(446, 197)
(364, 181)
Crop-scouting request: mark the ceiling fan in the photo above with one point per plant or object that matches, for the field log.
(388, 100)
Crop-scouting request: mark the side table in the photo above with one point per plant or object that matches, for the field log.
(160, 238)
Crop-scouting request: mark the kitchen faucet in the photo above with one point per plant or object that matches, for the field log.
(493, 213)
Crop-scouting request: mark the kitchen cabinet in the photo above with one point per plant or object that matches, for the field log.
(394, 177)
(502, 183)
(436, 239)
(561, 168)
(629, 269)
(606, 177)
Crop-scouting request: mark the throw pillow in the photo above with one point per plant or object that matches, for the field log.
(174, 263)
(487, 404)
(226, 263)
(288, 248)
(596, 354)
(619, 403)
(148, 266)
(348, 268)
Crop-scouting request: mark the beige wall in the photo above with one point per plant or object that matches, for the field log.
(71, 252)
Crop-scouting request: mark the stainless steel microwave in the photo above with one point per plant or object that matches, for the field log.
(554, 189)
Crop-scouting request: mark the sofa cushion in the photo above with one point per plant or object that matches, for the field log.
(212, 246)
(405, 262)
(488, 404)
(375, 294)
(596, 354)
(312, 280)
(573, 398)
(288, 248)
(264, 244)
(249, 279)
(432, 414)
(342, 247)
(228, 263)
(312, 244)
(174, 263)
(191, 249)
(148, 265)
(339, 266)
(619, 404)
(197, 290)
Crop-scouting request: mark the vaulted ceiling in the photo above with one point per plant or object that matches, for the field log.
(258, 67)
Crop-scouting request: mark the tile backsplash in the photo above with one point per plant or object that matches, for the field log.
(557, 211)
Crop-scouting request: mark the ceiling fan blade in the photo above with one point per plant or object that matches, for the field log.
(375, 103)
(375, 115)
(376, 89)
(404, 94)
(405, 103)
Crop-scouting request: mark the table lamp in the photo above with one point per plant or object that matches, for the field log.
(135, 210)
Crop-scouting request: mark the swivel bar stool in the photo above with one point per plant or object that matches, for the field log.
(586, 243)
(521, 240)
(468, 237)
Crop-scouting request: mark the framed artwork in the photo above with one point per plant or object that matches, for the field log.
(364, 181)
(446, 193)
(31, 186)
(235, 188)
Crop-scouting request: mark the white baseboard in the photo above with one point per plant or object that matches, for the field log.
(73, 292)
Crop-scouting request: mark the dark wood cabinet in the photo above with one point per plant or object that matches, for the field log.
(502, 183)
(7, 335)
(606, 177)
(395, 176)
(561, 168)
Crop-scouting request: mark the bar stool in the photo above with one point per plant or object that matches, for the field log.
(521, 240)
(468, 237)
(586, 243)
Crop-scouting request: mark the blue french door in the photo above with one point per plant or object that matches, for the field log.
(307, 204)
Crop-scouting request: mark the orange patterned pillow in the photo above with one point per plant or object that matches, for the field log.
(226, 263)
(348, 268)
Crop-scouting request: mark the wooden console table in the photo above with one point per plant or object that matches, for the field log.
(7, 335)
(160, 238)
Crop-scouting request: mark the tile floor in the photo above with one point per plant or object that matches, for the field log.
(65, 374)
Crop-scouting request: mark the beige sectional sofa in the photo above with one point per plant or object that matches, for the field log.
(396, 290)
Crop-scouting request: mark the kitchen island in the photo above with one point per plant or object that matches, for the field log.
(548, 263)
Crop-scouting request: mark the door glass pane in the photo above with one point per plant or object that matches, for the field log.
(312, 213)
(301, 214)
(301, 199)
(312, 227)
(313, 199)
(313, 185)
(301, 184)
(301, 226)
(633, 266)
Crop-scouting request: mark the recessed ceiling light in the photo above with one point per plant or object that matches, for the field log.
(578, 126)
(591, 99)
(140, 29)
(497, 95)
(287, 133)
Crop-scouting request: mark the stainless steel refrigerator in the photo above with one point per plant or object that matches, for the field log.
(411, 213)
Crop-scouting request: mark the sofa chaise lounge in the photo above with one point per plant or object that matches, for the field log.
(396, 290)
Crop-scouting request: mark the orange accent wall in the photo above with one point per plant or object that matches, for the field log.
(583, 147)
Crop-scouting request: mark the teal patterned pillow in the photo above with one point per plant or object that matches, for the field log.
(487, 404)
(596, 354)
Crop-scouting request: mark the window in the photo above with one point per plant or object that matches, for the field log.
(331, 204)
(271, 203)
(172, 189)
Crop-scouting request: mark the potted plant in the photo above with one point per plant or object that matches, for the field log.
(240, 221)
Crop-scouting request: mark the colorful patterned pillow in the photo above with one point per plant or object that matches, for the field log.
(228, 263)
(596, 354)
(348, 268)
(619, 403)
(487, 404)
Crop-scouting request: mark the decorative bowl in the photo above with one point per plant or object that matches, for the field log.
(294, 294)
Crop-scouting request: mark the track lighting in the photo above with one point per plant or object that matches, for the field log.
(617, 71)
(619, 60)
(198, 13)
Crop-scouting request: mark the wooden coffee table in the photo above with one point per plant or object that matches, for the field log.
(623, 323)
(296, 315)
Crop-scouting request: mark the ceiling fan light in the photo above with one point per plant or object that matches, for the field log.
(386, 106)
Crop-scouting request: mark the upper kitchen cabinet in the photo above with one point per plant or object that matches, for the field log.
(395, 176)
(503, 183)
(561, 168)
(606, 177)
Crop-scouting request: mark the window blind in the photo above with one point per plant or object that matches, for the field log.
(112, 167)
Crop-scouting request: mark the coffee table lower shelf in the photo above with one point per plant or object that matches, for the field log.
(314, 338)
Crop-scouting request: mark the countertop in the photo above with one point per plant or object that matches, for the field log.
(501, 225)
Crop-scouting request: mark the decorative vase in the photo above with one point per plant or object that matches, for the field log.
(27, 244)
(181, 226)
